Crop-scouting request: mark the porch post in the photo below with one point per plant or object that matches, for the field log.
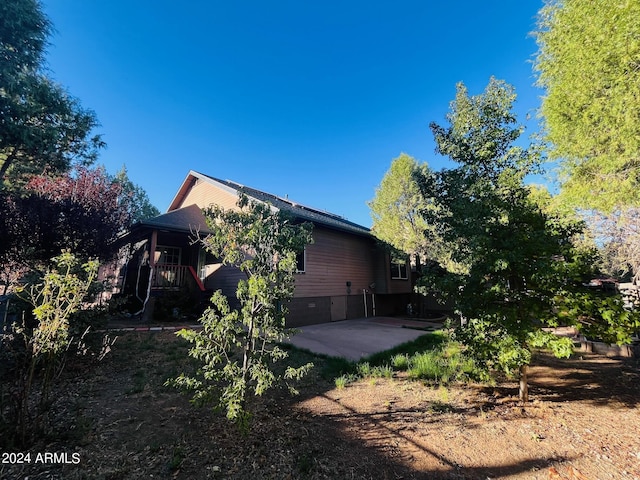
(152, 252)
(146, 314)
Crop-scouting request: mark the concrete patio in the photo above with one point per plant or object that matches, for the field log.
(355, 339)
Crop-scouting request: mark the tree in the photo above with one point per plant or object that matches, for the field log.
(33, 355)
(619, 235)
(236, 346)
(83, 211)
(510, 249)
(140, 207)
(41, 125)
(589, 64)
(396, 208)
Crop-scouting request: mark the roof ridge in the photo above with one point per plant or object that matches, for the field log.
(295, 206)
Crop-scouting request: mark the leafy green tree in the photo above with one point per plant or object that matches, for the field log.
(589, 64)
(41, 125)
(33, 356)
(510, 248)
(135, 197)
(396, 211)
(237, 346)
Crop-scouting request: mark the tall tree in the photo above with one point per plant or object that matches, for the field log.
(140, 207)
(396, 208)
(83, 211)
(589, 64)
(509, 247)
(41, 125)
(237, 347)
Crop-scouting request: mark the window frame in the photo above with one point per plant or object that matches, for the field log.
(302, 255)
(397, 270)
(178, 250)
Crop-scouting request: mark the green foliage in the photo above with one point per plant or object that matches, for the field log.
(237, 347)
(35, 352)
(363, 369)
(42, 126)
(588, 61)
(135, 198)
(432, 357)
(396, 208)
(382, 371)
(425, 342)
(517, 257)
(55, 299)
(442, 365)
(601, 315)
(343, 380)
(400, 362)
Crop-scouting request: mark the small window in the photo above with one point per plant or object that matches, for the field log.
(399, 271)
(301, 259)
(167, 255)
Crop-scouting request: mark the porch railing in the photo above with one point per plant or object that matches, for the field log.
(174, 276)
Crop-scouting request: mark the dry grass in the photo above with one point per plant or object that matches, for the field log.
(125, 425)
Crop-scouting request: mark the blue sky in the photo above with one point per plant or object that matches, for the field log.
(307, 99)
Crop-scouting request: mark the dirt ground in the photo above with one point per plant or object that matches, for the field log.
(122, 423)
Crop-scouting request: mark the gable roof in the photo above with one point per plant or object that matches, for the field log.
(189, 219)
(297, 210)
(185, 219)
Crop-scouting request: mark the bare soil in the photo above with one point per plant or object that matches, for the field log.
(116, 415)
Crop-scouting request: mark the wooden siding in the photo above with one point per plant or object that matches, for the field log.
(399, 286)
(386, 283)
(205, 194)
(334, 259)
(225, 278)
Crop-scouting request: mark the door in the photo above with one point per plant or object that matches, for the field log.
(338, 308)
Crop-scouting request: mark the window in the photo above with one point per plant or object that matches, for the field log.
(301, 260)
(399, 271)
(167, 255)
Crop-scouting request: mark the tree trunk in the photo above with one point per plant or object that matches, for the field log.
(524, 385)
(7, 163)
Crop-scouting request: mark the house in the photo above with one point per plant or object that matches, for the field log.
(345, 273)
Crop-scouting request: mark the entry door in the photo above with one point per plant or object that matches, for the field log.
(338, 308)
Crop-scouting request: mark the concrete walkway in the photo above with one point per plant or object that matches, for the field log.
(350, 339)
(354, 339)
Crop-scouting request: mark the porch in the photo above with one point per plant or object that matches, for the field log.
(175, 277)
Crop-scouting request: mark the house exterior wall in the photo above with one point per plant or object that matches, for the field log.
(204, 194)
(225, 278)
(312, 310)
(309, 311)
(332, 260)
(339, 267)
(397, 286)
